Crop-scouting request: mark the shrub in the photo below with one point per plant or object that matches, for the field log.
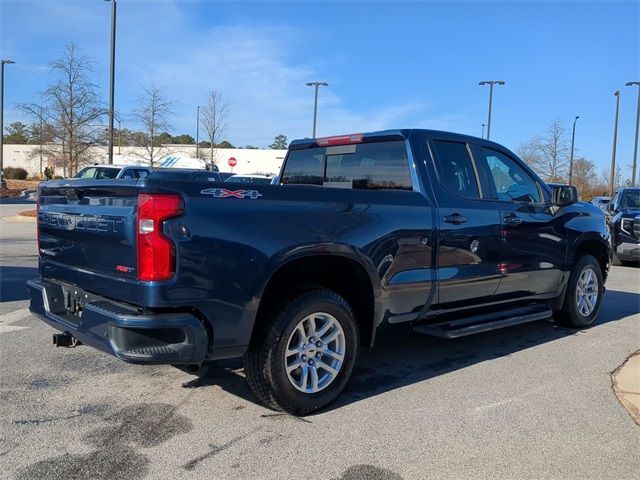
(15, 173)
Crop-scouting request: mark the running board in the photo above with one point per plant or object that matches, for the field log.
(455, 329)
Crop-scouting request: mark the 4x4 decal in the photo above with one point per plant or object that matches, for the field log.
(224, 193)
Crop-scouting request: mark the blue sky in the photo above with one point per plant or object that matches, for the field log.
(389, 64)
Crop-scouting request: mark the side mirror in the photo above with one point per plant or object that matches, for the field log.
(610, 207)
(564, 195)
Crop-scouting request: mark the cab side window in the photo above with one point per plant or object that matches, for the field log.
(128, 174)
(455, 169)
(512, 183)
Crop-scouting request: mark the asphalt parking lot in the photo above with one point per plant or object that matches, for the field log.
(533, 401)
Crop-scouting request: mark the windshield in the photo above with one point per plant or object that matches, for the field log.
(630, 199)
(97, 172)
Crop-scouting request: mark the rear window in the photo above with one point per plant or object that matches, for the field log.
(381, 165)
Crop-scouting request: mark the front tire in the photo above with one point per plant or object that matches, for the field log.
(303, 357)
(583, 298)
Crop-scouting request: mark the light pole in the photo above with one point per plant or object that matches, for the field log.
(315, 101)
(2, 63)
(635, 143)
(573, 139)
(198, 133)
(112, 72)
(615, 141)
(483, 125)
(491, 83)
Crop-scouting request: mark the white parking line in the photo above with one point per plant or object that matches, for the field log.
(14, 317)
(10, 328)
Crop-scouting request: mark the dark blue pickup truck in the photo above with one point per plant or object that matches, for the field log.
(452, 234)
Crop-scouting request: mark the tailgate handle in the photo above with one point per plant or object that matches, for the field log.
(72, 194)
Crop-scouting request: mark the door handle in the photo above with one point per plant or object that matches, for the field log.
(456, 219)
(512, 219)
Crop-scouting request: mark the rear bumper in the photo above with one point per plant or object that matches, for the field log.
(628, 251)
(166, 338)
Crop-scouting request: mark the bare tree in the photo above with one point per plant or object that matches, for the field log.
(605, 177)
(43, 135)
(584, 175)
(153, 114)
(548, 154)
(214, 117)
(69, 108)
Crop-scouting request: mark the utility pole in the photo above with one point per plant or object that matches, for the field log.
(491, 83)
(635, 143)
(315, 102)
(483, 125)
(2, 64)
(615, 141)
(573, 139)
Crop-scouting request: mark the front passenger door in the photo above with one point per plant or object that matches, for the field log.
(533, 245)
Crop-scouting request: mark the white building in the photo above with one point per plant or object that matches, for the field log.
(247, 161)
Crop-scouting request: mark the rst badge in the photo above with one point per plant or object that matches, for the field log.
(224, 193)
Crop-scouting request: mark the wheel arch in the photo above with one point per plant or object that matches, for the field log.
(336, 267)
(595, 245)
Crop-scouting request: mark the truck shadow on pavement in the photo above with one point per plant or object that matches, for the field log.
(13, 282)
(402, 357)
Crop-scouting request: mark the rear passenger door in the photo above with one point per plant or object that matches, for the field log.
(533, 245)
(468, 227)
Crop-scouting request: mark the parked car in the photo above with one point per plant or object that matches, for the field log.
(624, 224)
(101, 172)
(255, 179)
(451, 234)
(601, 202)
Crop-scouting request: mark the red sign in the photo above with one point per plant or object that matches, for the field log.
(232, 161)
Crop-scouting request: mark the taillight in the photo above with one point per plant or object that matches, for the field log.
(340, 140)
(156, 253)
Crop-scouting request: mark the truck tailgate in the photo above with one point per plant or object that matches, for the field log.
(89, 227)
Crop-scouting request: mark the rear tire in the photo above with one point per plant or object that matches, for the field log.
(290, 373)
(583, 297)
